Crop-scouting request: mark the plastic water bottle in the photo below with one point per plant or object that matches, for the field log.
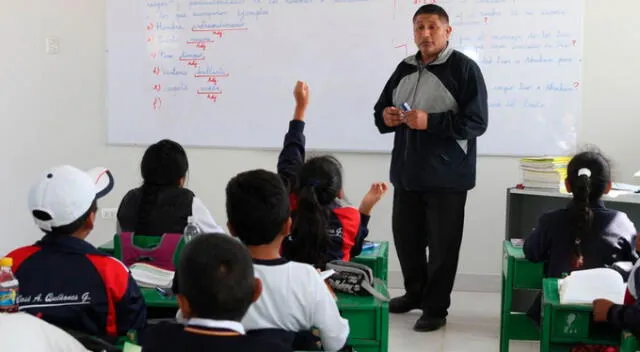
(8, 287)
(191, 230)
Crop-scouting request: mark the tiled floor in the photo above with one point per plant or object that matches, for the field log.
(472, 326)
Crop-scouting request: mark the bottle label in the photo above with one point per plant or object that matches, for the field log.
(7, 298)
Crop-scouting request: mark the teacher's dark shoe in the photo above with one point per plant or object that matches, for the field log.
(402, 304)
(426, 324)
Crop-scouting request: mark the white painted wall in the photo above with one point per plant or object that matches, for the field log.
(52, 110)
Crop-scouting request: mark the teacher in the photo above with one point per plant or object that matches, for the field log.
(433, 163)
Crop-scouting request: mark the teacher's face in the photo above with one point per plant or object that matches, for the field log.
(430, 34)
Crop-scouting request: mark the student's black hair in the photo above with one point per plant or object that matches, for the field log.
(257, 206)
(588, 175)
(432, 9)
(71, 228)
(216, 277)
(320, 182)
(163, 165)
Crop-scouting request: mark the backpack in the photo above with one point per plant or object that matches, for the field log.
(355, 279)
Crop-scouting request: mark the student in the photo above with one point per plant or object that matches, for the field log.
(24, 332)
(162, 204)
(586, 234)
(65, 280)
(325, 226)
(217, 286)
(294, 296)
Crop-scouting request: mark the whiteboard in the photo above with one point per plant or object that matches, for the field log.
(220, 73)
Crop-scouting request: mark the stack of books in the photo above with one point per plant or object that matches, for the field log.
(546, 172)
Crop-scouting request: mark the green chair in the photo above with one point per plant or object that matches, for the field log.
(146, 242)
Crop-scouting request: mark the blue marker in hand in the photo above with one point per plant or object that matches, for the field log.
(405, 108)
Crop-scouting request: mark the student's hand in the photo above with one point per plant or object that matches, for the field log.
(301, 94)
(376, 192)
(601, 309)
(392, 116)
(417, 119)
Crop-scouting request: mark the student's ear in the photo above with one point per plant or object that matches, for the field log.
(449, 30)
(286, 227)
(184, 306)
(257, 289)
(341, 194)
(607, 189)
(567, 185)
(90, 222)
(182, 181)
(232, 232)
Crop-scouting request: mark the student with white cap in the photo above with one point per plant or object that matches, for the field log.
(65, 280)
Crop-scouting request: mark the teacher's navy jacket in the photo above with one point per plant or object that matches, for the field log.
(69, 283)
(347, 227)
(451, 90)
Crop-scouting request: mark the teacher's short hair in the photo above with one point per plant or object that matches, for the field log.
(432, 9)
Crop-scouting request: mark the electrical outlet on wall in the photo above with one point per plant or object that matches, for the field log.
(109, 213)
(52, 45)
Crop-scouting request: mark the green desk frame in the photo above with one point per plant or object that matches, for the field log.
(517, 274)
(565, 325)
(377, 259)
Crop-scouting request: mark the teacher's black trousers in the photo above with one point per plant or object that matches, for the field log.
(432, 220)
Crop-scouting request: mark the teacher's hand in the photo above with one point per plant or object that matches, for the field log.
(392, 116)
(417, 119)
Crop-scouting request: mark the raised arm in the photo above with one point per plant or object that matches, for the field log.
(292, 155)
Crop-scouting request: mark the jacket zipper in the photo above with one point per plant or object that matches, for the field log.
(413, 100)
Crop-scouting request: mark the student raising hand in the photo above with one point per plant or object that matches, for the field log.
(301, 94)
(376, 192)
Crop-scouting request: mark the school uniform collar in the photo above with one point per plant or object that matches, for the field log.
(210, 324)
(270, 262)
(67, 243)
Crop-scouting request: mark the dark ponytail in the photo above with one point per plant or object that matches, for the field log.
(163, 165)
(320, 183)
(588, 176)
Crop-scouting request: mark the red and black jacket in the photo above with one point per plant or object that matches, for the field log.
(69, 283)
(347, 227)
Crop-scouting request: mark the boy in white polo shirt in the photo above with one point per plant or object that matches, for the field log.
(294, 298)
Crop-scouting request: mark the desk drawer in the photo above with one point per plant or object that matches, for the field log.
(364, 324)
(527, 274)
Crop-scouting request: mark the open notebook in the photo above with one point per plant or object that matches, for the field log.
(147, 275)
(585, 286)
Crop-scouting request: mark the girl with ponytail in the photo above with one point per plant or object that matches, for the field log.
(162, 204)
(586, 234)
(325, 226)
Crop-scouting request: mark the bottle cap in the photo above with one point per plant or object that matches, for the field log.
(6, 261)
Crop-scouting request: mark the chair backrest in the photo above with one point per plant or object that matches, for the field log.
(161, 251)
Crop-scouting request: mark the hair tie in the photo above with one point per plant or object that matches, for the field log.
(313, 183)
(584, 171)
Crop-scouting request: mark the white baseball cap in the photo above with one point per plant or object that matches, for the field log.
(65, 193)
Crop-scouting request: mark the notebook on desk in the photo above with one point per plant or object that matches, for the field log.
(150, 276)
(585, 286)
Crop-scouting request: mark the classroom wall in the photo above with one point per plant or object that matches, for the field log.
(53, 111)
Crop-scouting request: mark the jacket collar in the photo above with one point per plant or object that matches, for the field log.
(67, 243)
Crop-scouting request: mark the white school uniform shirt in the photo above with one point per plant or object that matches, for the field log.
(24, 332)
(295, 298)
